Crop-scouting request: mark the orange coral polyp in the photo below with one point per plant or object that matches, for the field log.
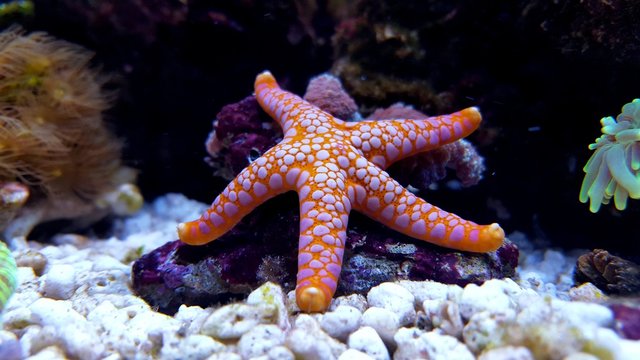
(51, 119)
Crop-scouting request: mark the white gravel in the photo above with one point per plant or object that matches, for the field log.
(74, 301)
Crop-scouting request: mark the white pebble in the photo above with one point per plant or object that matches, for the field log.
(233, 320)
(431, 290)
(508, 353)
(193, 347)
(259, 340)
(444, 315)
(48, 353)
(581, 356)
(307, 341)
(280, 353)
(357, 301)
(493, 296)
(271, 299)
(486, 328)
(396, 299)
(366, 339)
(414, 343)
(578, 313)
(59, 282)
(193, 317)
(10, 347)
(341, 322)
(72, 329)
(384, 322)
(353, 354)
(225, 355)
(105, 262)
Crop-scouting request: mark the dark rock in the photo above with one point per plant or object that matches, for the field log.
(611, 274)
(263, 247)
(241, 132)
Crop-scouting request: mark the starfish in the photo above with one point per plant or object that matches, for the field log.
(335, 167)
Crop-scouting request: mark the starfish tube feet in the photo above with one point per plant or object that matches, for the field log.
(490, 238)
(265, 78)
(313, 298)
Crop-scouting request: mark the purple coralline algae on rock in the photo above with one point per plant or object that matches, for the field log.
(627, 320)
(262, 246)
(326, 92)
(242, 131)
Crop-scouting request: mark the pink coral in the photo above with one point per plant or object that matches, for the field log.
(326, 92)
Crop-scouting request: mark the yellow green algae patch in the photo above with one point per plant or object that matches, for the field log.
(8, 275)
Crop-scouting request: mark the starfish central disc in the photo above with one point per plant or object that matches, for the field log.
(336, 166)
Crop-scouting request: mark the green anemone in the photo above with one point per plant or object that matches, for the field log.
(613, 171)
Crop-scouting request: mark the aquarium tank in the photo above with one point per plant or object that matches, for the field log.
(309, 179)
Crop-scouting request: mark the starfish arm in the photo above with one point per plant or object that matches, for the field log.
(255, 184)
(385, 200)
(323, 223)
(283, 106)
(386, 141)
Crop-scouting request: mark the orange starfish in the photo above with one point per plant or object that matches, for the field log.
(336, 166)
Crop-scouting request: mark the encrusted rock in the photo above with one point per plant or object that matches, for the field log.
(611, 273)
(229, 268)
(627, 318)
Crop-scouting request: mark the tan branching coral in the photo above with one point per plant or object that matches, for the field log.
(52, 135)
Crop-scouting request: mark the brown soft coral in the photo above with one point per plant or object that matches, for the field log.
(52, 135)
